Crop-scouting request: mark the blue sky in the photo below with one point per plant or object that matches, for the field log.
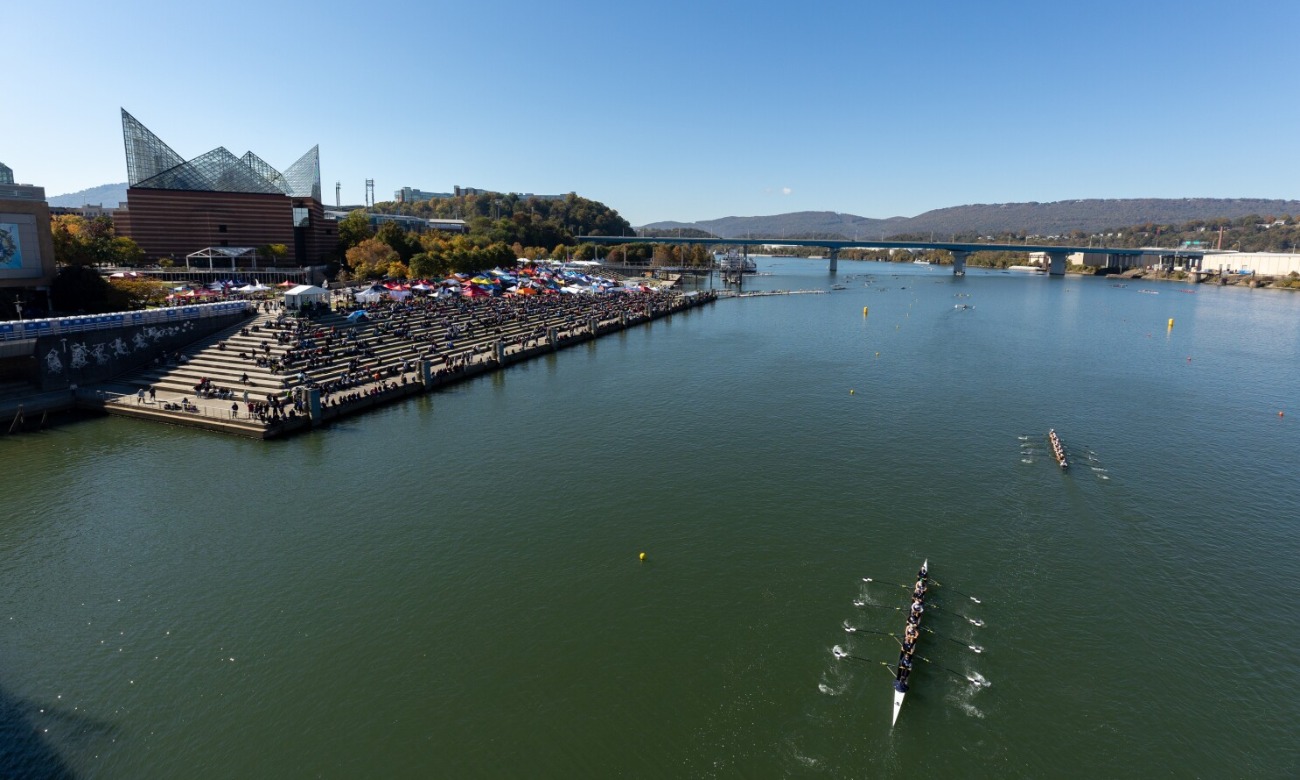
(678, 110)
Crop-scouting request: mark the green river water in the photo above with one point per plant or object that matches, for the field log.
(450, 587)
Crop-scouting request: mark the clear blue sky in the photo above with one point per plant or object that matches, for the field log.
(678, 110)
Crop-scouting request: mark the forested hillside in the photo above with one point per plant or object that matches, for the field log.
(1033, 219)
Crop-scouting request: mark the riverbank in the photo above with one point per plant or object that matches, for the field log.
(1252, 281)
(329, 367)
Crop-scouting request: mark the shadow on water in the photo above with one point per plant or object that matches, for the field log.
(26, 752)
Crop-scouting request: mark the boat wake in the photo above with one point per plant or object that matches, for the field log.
(834, 682)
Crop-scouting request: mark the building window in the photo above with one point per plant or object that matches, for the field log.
(301, 217)
(221, 228)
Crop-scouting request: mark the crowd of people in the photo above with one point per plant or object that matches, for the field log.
(382, 348)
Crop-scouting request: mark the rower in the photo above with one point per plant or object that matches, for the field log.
(900, 679)
(917, 608)
(910, 634)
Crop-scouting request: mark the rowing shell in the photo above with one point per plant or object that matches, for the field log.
(901, 694)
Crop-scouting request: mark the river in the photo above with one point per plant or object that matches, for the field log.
(450, 587)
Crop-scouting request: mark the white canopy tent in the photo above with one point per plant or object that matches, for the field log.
(305, 295)
(370, 295)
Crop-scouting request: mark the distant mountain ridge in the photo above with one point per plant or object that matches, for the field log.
(107, 195)
(1041, 219)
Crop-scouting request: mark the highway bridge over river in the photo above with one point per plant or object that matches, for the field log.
(1056, 255)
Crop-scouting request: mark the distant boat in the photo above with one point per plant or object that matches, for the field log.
(733, 261)
(1033, 269)
(1058, 449)
(920, 262)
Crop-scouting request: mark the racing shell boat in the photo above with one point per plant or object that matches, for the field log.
(903, 672)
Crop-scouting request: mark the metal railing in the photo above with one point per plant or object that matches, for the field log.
(31, 329)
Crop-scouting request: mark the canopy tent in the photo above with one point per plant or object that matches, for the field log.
(305, 295)
(357, 316)
(373, 294)
(223, 254)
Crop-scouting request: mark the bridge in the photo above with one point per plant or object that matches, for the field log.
(960, 251)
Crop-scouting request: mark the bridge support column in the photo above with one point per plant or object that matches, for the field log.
(1056, 265)
(426, 373)
(958, 262)
(835, 260)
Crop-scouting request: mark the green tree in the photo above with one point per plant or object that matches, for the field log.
(403, 243)
(353, 229)
(79, 288)
(273, 253)
(426, 265)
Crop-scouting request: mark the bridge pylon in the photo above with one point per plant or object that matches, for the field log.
(1056, 261)
(958, 261)
(835, 260)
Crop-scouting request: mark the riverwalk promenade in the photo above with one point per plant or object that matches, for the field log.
(280, 373)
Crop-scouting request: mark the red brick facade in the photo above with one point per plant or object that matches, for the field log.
(174, 223)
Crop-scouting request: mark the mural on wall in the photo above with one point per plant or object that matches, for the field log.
(82, 353)
(11, 246)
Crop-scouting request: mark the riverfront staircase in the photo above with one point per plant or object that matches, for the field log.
(395, 340)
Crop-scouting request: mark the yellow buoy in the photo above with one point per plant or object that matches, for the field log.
(1171, 322)
(642, 556)
(864, 311)
(877, 354)
(850, 392)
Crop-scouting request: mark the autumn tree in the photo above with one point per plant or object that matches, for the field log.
(371, 258)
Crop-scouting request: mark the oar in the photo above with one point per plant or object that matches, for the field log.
(865, 605)
(973, 621)
(883, 582)
(840, 655)
(856, 630)
(971, 680)
(954, 590)
(973, 648)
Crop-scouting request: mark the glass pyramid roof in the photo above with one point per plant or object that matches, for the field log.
(151, 164)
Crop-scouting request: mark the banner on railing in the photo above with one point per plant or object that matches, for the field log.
(81, 324)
